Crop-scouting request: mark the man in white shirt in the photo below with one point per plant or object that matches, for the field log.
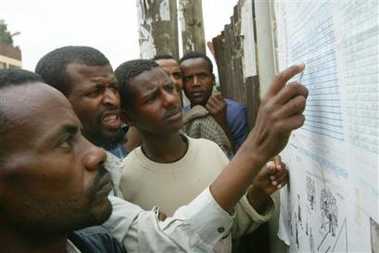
(170, 169)
(52, 180)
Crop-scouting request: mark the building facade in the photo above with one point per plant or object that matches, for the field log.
(10, 56)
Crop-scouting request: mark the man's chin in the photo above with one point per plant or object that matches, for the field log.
(102, 211)
(109, 138)
(198, 102)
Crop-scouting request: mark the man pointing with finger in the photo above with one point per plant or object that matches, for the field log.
(44, 154)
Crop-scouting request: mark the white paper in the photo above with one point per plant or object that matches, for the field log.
(333, 159)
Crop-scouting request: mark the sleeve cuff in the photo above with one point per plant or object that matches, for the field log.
(253, 214)
(207, 218)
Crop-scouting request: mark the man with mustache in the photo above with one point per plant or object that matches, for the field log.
(52, 180)
(85, 76)
(170, 169)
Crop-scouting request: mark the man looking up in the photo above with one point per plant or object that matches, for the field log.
(198, 82)
(52, 180)
(172, 166)
(85, 76)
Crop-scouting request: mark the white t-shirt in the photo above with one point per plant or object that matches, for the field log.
(171, 185)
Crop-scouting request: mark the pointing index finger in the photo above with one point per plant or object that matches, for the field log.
(282, 78)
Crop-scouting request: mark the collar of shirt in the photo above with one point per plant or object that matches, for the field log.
(71, 248)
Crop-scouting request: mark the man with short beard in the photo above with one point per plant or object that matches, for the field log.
(52, 180)
(85, 76)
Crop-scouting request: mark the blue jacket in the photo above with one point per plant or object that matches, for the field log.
(95, 240)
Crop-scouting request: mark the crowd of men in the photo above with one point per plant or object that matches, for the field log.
(96, 160)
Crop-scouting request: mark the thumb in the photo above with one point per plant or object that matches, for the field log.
(267, 170)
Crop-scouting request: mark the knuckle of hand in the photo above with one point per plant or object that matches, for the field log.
(295, 88)
(267, 108)
(280, 77)
(277, 126)
(299, 103)
(300, 121)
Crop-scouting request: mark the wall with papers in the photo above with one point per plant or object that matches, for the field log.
(332, 201)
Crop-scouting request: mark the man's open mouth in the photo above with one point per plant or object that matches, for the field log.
(111, 120)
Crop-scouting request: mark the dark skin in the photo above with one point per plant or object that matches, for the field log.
(41, 163)
(48, 158)
(95, 99)
(198, 82)
(172, 68)
(279, 113)
(155, 97)
(157, 115)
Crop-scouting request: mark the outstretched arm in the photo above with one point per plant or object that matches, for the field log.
(198, 226)
(280, 113)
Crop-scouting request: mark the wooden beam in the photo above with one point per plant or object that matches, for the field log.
(158, 27)
(192, 25)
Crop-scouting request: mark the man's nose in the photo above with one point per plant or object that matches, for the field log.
(94, 158)
(169, 99)
(196, 81)
(111, 97)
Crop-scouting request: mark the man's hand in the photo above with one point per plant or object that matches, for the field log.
(279, 113)
(268, 180)
(271, 178)
(217, 108)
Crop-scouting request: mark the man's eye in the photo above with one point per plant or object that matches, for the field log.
(203, 76)
(150, 99)
(171, 88)
(177, 76)
(67, 143)
(94, 93)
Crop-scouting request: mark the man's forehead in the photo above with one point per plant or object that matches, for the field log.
(170, 69)
(25, 101)
(167, 63)
(100, 72)
(151, 78)
(194, 63)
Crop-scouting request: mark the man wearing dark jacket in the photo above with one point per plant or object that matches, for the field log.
(52, 180)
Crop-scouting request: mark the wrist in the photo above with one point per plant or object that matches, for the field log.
(252, 155)
(258, 199)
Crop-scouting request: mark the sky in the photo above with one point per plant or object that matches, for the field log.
(110, 26)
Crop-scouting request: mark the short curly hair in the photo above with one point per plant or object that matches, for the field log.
(194, 55)
(9, 78)
(164, 57)
(125, 72)
(52, 66)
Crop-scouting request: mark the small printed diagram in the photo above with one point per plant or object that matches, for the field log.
(317, 224)
(329, 212)
(333, 229)
(311, 192)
